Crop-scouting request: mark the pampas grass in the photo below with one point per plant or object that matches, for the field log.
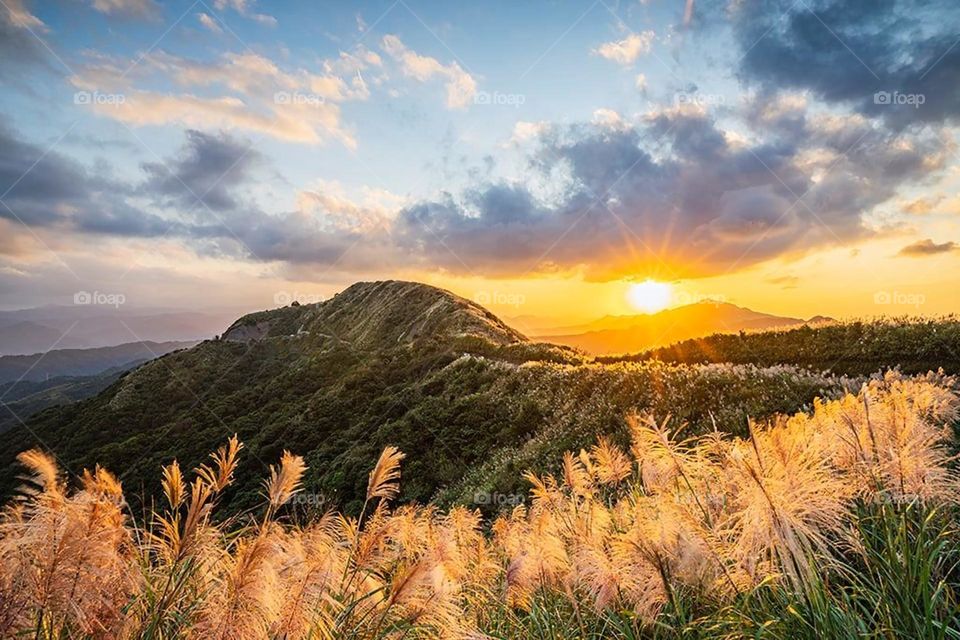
(792, 531)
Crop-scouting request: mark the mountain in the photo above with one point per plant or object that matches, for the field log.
(27, 337)
(82, 362)
(630, 334)
(471, 401)
(21, 400)
(29, 331)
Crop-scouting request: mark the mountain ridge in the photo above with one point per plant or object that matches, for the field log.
(631, 334)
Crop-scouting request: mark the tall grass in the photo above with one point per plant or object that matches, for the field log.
(841, 523)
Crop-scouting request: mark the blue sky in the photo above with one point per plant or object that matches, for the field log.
(220, 151)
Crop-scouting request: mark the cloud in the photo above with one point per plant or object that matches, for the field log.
(255, 94)
(21, 50)
(673, 196)
(460, 85)
(628, 50)
(207, 171)
(209, 23)
(245, 8)
(47, 189)
(927, 247)
(881, 58)
(132, 8)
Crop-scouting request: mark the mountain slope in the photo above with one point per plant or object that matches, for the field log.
(467, 398)
(629, 334)
(914, 345)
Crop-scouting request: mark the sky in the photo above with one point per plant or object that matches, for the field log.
(793, 156)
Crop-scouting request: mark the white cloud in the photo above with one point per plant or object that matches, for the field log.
(245, 8)
(20, 17)
(255, 94)
(460, 85)
(607, 118)
(627, 51)
(141, 8)
(525, 131)
(209, 22)
(641, 82)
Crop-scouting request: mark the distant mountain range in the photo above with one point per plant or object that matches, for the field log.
(29, 384)
(631, 334)
(38, 330)
(57, 363)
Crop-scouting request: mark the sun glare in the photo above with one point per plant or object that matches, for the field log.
(649, 296)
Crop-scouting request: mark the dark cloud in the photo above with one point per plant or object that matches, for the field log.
(41, 187)
(671, 196)
(21, 50)
(927, 247)
(875, 55)
(208, 171)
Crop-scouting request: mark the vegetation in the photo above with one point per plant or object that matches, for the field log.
(914, 345)
(837, 523)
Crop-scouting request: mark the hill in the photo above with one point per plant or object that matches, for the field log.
(914, 345)
(630, 334)
(471, 401)
(21, 400)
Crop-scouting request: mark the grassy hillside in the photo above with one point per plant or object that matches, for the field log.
(838, 523)
(468, 399)
(915, 345)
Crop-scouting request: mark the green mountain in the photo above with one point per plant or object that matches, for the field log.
(469, 400)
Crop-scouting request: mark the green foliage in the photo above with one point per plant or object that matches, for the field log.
(914, 345)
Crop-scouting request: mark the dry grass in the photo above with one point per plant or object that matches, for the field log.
(712, 515)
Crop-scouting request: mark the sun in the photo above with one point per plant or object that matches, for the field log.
(649, 296)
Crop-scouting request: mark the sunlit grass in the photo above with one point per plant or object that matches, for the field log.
(840, 523)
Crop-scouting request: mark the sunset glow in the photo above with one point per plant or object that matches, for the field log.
(649, 296)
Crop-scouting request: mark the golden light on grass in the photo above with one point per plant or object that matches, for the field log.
(649, 296)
